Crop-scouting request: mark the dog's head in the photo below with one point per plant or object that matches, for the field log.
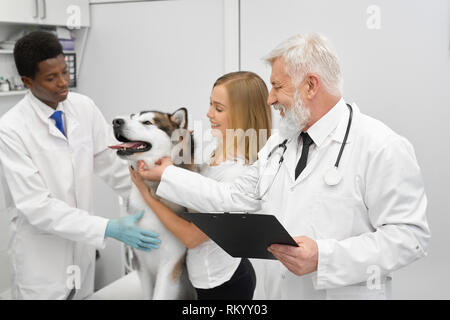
(147, 135)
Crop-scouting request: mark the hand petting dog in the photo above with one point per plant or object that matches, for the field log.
(155, 173)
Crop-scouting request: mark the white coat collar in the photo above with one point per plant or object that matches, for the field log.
(334, 124)
(339, 133)
(44, 112)
(327, 125)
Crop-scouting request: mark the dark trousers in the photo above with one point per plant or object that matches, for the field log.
(240, 287)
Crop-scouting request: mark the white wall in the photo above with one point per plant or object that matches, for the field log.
(399, 74)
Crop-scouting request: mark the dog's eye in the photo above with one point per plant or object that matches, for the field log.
(147, 123)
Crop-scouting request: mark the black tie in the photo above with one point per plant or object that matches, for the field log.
(307, 141)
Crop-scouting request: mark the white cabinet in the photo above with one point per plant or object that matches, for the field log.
(19, 11)
(65, 12)
(18, 14)
(46, 12)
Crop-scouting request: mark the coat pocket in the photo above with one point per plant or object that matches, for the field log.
(332, 217)
(42, 259)
(357, 292)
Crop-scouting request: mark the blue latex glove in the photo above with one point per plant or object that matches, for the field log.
(125, 230)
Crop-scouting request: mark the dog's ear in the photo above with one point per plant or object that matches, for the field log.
(180, 118)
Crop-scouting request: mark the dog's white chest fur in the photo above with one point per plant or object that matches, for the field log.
(162, 271)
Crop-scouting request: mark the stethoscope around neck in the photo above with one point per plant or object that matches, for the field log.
(332, 176)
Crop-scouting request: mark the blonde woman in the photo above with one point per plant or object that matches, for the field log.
(238, 108)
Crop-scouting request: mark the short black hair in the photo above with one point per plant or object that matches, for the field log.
(33, 48)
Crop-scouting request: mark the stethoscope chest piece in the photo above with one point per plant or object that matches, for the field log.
(332, 177)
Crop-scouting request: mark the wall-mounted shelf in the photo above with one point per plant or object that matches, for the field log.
(46, 12)
(13, 93)
(7, 51)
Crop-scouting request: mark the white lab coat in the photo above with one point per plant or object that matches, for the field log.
(369, 225)
(49, 194)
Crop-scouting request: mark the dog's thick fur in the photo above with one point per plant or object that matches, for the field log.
(162, 271)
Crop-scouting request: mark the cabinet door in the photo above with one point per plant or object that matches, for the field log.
(64, 12)
(19, 11)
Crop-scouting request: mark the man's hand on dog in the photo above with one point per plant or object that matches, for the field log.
(155, 173)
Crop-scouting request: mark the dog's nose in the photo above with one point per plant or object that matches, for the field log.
(118, 122)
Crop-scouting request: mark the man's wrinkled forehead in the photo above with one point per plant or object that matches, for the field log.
(279, 74)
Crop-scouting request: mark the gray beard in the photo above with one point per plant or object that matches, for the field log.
(295, 118)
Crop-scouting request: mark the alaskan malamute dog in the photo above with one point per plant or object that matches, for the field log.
(149, 136)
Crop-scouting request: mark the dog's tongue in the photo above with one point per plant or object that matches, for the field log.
(126, 145)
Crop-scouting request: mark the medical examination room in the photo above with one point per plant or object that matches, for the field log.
(229, 150)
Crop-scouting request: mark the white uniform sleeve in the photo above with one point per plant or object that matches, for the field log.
(34, 200)
(107, 165)
(197, 192)
(396, 203)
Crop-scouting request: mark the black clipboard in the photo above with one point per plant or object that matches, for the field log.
(241, 234)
